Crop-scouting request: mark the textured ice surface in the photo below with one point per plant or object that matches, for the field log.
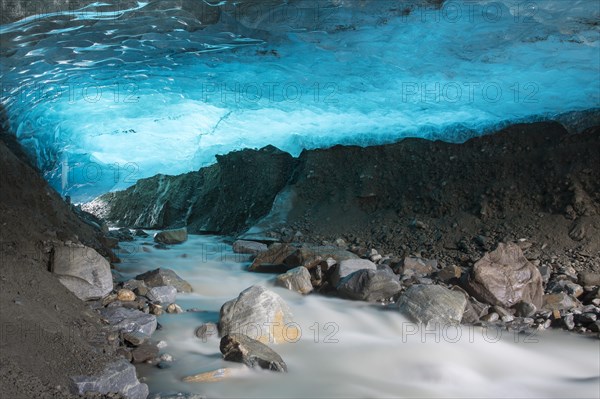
(105, 98)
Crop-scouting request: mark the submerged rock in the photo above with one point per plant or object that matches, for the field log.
(433, 305)
(175, 236)
(505, 277)
(369, 285)
(83, 271)
(210, 376)
(258, 313)
(297, 279)
(117, 377)
(161, 277)
(243, 349)
(349, 266)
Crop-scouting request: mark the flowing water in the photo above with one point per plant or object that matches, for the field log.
(352, 349)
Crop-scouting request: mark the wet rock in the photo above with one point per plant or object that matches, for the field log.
(156, 309)
(125, 295)
(249, 247)
(83, 271)
(144, 353)
(349, 266)
(433, 305)
(560, 301)
(243, 349)
(524, 309)
(165, 294)
(545, 272)
(206, 330)
(175, 236)
(505, 277)
(568, 322)
(174, 308)
(271, 261)
(129, 320)
(117, 377)
(140, 233)
(161, 277)
(211, 376)
(260, 314)
(310, 256)
(137, 286)
(369, 285)
(297, 279)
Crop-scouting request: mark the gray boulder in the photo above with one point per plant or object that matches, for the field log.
(83, 271)
(243, 349)
(175, 236)
(130, 320)
(433, 305)
(369, 285)
(161, 277)
(505, 277)
(165, 294)
(117, 377)
(249, 247)
(349, 266)
(258, 313)
(297, 279)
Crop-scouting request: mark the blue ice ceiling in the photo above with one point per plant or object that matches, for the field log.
(105, 98)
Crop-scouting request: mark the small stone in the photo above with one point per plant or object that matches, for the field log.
(568, 322)
(560, 301)
(504, 314)
(175, 236)
(174, 308)
(211, 376)
(589, 279)
(144, 352)
(524, 309)
(297, 279)
(161, 344)
(165, 357)
(125, 295)
(491, 317)
(156, 309)
(165, 294)
(135, 338)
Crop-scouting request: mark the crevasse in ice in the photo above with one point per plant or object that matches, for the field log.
(105, 96)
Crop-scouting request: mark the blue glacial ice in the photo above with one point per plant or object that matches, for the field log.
(105, 98)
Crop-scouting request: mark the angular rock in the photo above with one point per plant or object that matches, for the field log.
(135, 338)
(272, 259)
(560, 301)
(433, 305)
(144, 352)
(174, 308)
(175, 236)
(83, 271)
(243, 349)
(297, 279)
(369, 285)
(260, 314)
(449, 273)
(505, 277)
(349, 266)
(249, 247)
(161, 277)
(129, 320)
(419, 266)
(310, 256)
(206, 331)
(165, 294)
(117, 377)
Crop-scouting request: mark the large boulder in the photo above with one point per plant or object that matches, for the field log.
(260, 314)
(129, 320)
(83, 271)
(175, 236)
(297, 279)
(505, 277)
(243, 349)
(349, 266)
(369, 285)
(433, 305)
(118, 377)
(165, 294)
(161, 277)
(249, 247)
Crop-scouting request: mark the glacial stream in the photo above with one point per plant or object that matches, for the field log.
(349, 348)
